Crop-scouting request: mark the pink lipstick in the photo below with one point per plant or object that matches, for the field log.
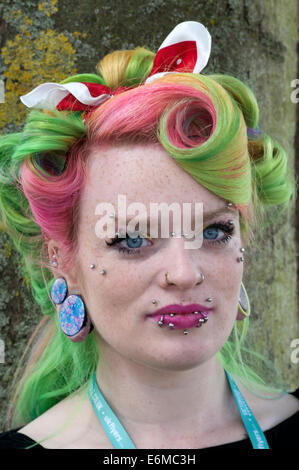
(181, 317)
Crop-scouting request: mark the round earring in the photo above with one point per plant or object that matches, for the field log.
(244, 304)
(73, 319)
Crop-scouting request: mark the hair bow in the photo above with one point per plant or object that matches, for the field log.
(186, 49)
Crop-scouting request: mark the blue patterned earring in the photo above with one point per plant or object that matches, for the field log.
(73, 319)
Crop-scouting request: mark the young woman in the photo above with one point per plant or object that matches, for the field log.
(144, 340)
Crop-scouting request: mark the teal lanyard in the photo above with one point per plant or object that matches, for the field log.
(120, 439)
(256, 435)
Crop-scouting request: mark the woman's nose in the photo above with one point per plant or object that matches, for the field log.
(182, 266)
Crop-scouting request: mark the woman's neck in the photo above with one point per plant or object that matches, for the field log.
(154, 405)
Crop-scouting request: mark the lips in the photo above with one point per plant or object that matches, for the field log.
(178, 316)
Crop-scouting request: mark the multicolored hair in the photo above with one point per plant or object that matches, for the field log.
(202, 122)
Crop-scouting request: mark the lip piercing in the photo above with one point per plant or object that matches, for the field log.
(200, 322)
(185, 332)
(172, 315)
(171, 325)
(160, 322)
(209, 299)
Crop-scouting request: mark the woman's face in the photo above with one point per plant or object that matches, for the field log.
(120, 302)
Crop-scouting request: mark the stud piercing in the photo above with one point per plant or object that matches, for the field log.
(242, 249)
(92, 266)
(160, 322)
(209, 299)
(154, 301)
(172, 315)
(200, 322)
(102, 271)
(171, 325)
(229, 204)
(231, 222)
(240, 259)
(54, 262)
(185, 332)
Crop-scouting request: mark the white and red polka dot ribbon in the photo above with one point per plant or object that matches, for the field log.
(186, 49)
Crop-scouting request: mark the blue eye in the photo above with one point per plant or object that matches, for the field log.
(133, 243)
(210, 233)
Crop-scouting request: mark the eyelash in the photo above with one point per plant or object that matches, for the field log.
(227, 228)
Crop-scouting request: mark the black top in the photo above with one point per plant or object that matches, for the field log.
(282, 436)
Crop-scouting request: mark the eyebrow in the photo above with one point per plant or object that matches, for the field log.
(206, 215)
(222, 211)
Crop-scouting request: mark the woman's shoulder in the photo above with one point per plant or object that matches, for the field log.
(65, 425)
(272, 411)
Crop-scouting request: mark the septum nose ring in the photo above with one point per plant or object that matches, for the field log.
(201, 274)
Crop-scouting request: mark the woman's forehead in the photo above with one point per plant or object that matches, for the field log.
(144, 172)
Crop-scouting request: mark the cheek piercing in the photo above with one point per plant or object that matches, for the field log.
(241, 258)
(92, 266)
